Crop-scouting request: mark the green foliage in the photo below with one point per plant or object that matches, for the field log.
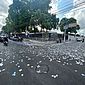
(25, 13)
(31, 13)
(65, 21)
(42, 5)
(55, 21)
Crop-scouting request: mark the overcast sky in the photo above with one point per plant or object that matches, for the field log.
(4, 4)
(78, 12)
(63, 8)
(72, 8)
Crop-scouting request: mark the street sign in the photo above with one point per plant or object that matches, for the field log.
(72, 25)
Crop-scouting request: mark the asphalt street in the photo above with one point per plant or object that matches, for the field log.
(42, 64)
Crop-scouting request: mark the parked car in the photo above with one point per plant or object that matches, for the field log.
(80, 39)
(16, 38)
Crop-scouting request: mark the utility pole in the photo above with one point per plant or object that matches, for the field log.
(26, 32)
(65, 35)
(65, 28)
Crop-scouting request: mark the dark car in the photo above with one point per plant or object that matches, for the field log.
(16, 38)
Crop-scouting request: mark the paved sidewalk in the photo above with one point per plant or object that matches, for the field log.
(36, 42)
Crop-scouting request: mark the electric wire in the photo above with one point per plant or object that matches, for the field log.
(66, 8)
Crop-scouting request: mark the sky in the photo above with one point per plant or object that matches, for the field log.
(72, 8)
(4, 4)
(78, 12)
(62, 8)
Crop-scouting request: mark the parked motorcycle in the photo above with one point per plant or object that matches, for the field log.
(5, 43)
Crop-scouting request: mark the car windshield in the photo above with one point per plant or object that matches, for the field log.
(42, 42)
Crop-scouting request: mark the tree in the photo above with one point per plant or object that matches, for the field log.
(29, 13)
(9, 25)
(42, 5)
(40, 15)
(19, 14)
(65, 21)
(55, 21)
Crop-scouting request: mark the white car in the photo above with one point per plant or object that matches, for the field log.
(79, 39)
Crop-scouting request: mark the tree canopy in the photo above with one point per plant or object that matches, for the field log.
(28, 13)
(66, 21)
